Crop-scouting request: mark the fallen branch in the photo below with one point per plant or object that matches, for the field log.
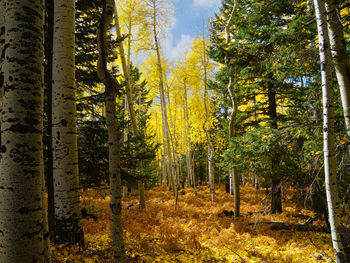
(242, 259)
(306, 226)
(324, 254)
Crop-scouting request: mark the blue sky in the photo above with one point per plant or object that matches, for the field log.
(190, 15)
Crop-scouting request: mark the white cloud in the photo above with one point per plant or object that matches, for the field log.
(206, 3)
(174, 52)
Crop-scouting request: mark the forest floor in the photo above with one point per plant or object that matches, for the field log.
(197, 231)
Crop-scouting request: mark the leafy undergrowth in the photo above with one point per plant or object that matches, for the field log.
(195, 232)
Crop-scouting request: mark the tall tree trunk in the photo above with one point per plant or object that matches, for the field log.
(48, 110)
(173, 145)
(211, 172)
(276, 190)
(112, 87)
(340, 57)
(234, 175)
(22, 223)
(333, 202)
(125, 67)
(190, 174)
(206, 124)
(2, 54)
(165, 124)
(64, 129)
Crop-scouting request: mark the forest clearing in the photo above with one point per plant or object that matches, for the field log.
(174, 131)
(198, 230)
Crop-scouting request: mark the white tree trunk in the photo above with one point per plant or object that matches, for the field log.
(22, 223)
(210, 149)
(211, 173)
(129, 101)
(64, 131)
(190, 174)
(333, 201)
(234, 175)
(112, 87)
(165, 124)
(340, 57)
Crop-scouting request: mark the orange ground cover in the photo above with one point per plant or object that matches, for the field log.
(195, 232)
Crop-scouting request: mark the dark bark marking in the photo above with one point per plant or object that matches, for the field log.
(68, 230)
(19, 128)
(6, 188)
(31, 121)
(23, 210)
(26, 210)
(116, 208)
(64, 122)
(3, 149)
(28, 104)
(11, 120)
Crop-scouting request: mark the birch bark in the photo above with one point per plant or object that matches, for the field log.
(333, 201)
(22, 223)
(64, 131)
(340, 57)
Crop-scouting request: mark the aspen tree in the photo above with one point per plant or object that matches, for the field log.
(234, 175)
(165, 124)
(129, 101)
(204, 64)
(189, 163)
(340, 57)
(22, 222)
(330, 168)
(64, 131)
(2, 46)
(48, 111)
(112, 88)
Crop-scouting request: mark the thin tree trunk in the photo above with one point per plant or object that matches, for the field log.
(276, 193)
(340, 57)
(188, 140)
(165, 125)
(333, 202)
(125, 66)
(211, 173)
(234, 176)
(64, 130)
(22, 223)
(112, 87)
(210, 149)
(114, 137)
